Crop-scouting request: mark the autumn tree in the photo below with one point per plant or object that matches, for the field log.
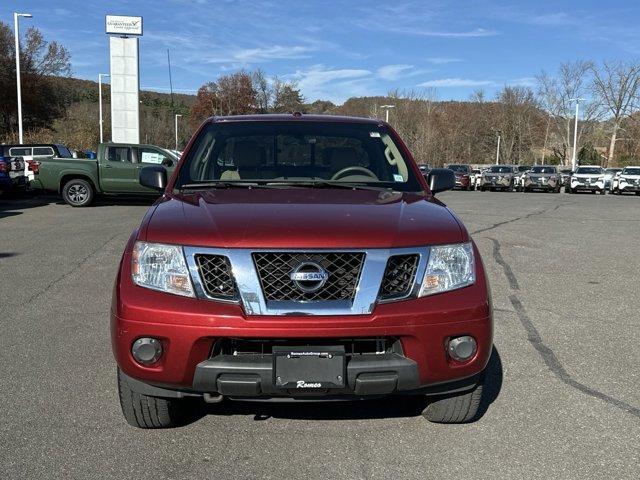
(40, 61)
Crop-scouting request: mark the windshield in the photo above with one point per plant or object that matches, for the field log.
(524, 168)
(631, 171)
(543, 170)
(459, 168)
(297, 153)
(589, 170)
(499, 169)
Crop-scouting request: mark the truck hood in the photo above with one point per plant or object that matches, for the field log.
(301, 218)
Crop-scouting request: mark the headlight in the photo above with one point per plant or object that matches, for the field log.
(449, 267)
(161, 267)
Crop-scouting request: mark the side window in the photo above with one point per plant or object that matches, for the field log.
(43, 152)
(19, 152)
(151, 155)
(118, 154)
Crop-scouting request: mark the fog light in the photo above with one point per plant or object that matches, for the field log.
(462, 348)
(146, 350)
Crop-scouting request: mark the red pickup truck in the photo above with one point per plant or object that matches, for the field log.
(296, 257)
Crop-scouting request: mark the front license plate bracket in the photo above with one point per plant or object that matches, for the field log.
(309, 367)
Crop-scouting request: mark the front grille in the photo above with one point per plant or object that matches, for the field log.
(275, 269)
(399, 276)
(216, 276)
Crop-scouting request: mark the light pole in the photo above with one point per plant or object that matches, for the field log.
(176, 122)
(498, 149)
(386, 108)
(17, 41)
(100, 75)
(575, 132)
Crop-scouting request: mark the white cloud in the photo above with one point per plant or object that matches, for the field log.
(274, 52)
(442, 60)
(393, 72)
(335, 84)
(457, 82)
(523, 82)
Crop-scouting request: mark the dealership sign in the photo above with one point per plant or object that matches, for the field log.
(123, 25)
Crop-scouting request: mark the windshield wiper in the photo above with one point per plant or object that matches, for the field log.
(220, 184)
(326, 184)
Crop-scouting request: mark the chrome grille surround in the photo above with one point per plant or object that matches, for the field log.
(253, 300)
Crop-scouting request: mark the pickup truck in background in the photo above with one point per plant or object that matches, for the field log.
(32, 153)
(115, 172)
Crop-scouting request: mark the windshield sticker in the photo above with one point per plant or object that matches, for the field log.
(374, 134)
(398, 178)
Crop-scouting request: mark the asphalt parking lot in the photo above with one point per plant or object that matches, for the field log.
(564, 400)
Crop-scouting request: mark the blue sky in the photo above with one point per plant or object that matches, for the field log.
(338, 49)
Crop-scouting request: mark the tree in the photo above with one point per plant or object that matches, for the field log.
(588, 155)
(263, 89)
(557, 96)
(286, 97)
(517, 117)
(40, 61)
(230, 95)
(617, 85)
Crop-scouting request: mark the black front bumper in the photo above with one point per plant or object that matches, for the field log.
(252, 377)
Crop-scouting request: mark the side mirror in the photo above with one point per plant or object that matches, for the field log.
(154, 177)
(441, 179)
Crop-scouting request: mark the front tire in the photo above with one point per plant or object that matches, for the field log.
(78, 193)
(144, 411)
(456, 408)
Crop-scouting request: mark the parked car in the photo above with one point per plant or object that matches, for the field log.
(12, 177)
(475, 177)
(498, 177)
(115, 172)
(31, 153)
(628, 180)
(587, 178)
(609, 173)
(542, 177)
(565, 173)
(519, 175)
(463, 176)
(263, 276)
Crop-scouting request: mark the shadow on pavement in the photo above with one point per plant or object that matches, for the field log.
(13, 204)
(399, 406)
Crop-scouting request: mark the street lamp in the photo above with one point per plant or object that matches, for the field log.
(176, 122)
(387, 107)
(17, 41)
(575, 131)
(100, 75)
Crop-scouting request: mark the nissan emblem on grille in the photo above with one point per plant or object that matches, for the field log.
(309, 277)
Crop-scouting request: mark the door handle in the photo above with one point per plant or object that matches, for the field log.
(108, 166)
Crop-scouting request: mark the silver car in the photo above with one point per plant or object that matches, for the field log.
(542, 177)
(498, 177)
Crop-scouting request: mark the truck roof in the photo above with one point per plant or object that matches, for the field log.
(298, 117)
